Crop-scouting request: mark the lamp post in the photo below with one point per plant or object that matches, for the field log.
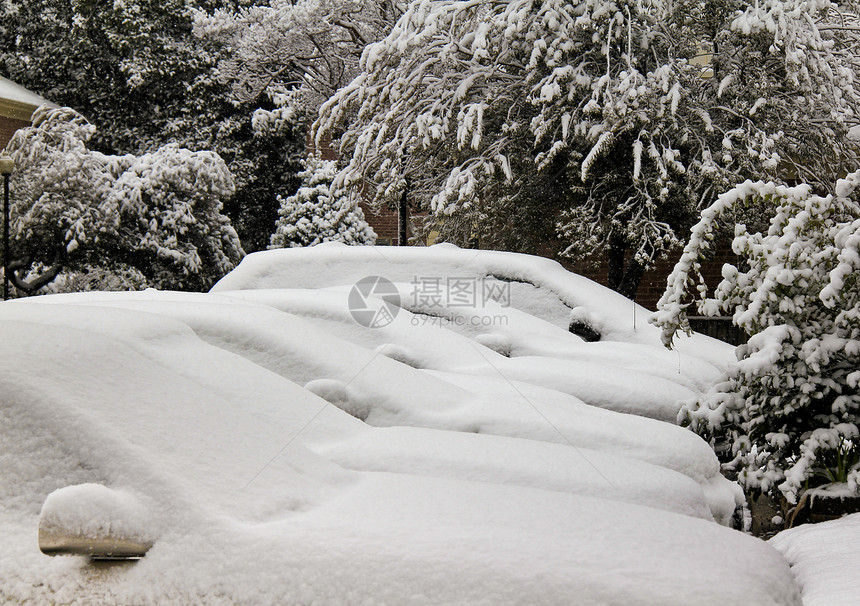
(7, 165)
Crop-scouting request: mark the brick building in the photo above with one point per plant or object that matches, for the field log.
(385, 223)
(17, 105)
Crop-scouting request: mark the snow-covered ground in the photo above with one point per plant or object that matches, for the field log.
(824, 558)
(299, 435)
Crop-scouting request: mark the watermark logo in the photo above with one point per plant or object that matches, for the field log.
(476, 321)
(374, 302)
(430, 292)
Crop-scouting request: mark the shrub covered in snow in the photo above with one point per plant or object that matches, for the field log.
(159, 213)
(319, 212)
(137, 70)
(790, 407)
(117, 277)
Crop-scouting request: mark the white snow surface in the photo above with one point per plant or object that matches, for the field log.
(824, 560)
(284, 454)
(93, 510)
(559, 291)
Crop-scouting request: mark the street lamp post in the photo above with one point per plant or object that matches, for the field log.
(7, 165)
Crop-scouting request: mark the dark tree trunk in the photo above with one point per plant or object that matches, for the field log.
(624, 274)
(633, 272)
(615, 254)
(19, 268)
(403, 219)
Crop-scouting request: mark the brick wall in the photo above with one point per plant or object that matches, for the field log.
(384, 223)
(654, 281)
(8, 126)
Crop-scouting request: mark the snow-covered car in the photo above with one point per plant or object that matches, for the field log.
(366, 425)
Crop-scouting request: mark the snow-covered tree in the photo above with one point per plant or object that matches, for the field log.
(290, 56)
(159, 213)
(308, 46)
(129, 64)
(790, 407)
(138, 72)
(319, 212)
(87, 277)
(594, 119)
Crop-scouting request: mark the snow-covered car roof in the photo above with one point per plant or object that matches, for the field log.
(269, 446)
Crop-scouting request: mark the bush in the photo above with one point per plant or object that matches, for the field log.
(74, 208)
(789, 407)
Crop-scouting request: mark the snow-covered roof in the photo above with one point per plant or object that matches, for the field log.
(17, 102)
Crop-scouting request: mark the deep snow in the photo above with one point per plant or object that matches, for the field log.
(273, 451)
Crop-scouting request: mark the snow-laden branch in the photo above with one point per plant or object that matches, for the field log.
(594, 110)
(313, 45)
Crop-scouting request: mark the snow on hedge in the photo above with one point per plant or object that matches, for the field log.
(789, 407)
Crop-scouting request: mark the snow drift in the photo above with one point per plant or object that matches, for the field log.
(280, 451)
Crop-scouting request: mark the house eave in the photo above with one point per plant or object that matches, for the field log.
(16, 110)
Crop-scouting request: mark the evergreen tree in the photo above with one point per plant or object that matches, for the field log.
(319, 212)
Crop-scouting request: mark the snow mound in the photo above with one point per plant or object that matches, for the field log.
(267, 447)
(824, 558)
(553, 289)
